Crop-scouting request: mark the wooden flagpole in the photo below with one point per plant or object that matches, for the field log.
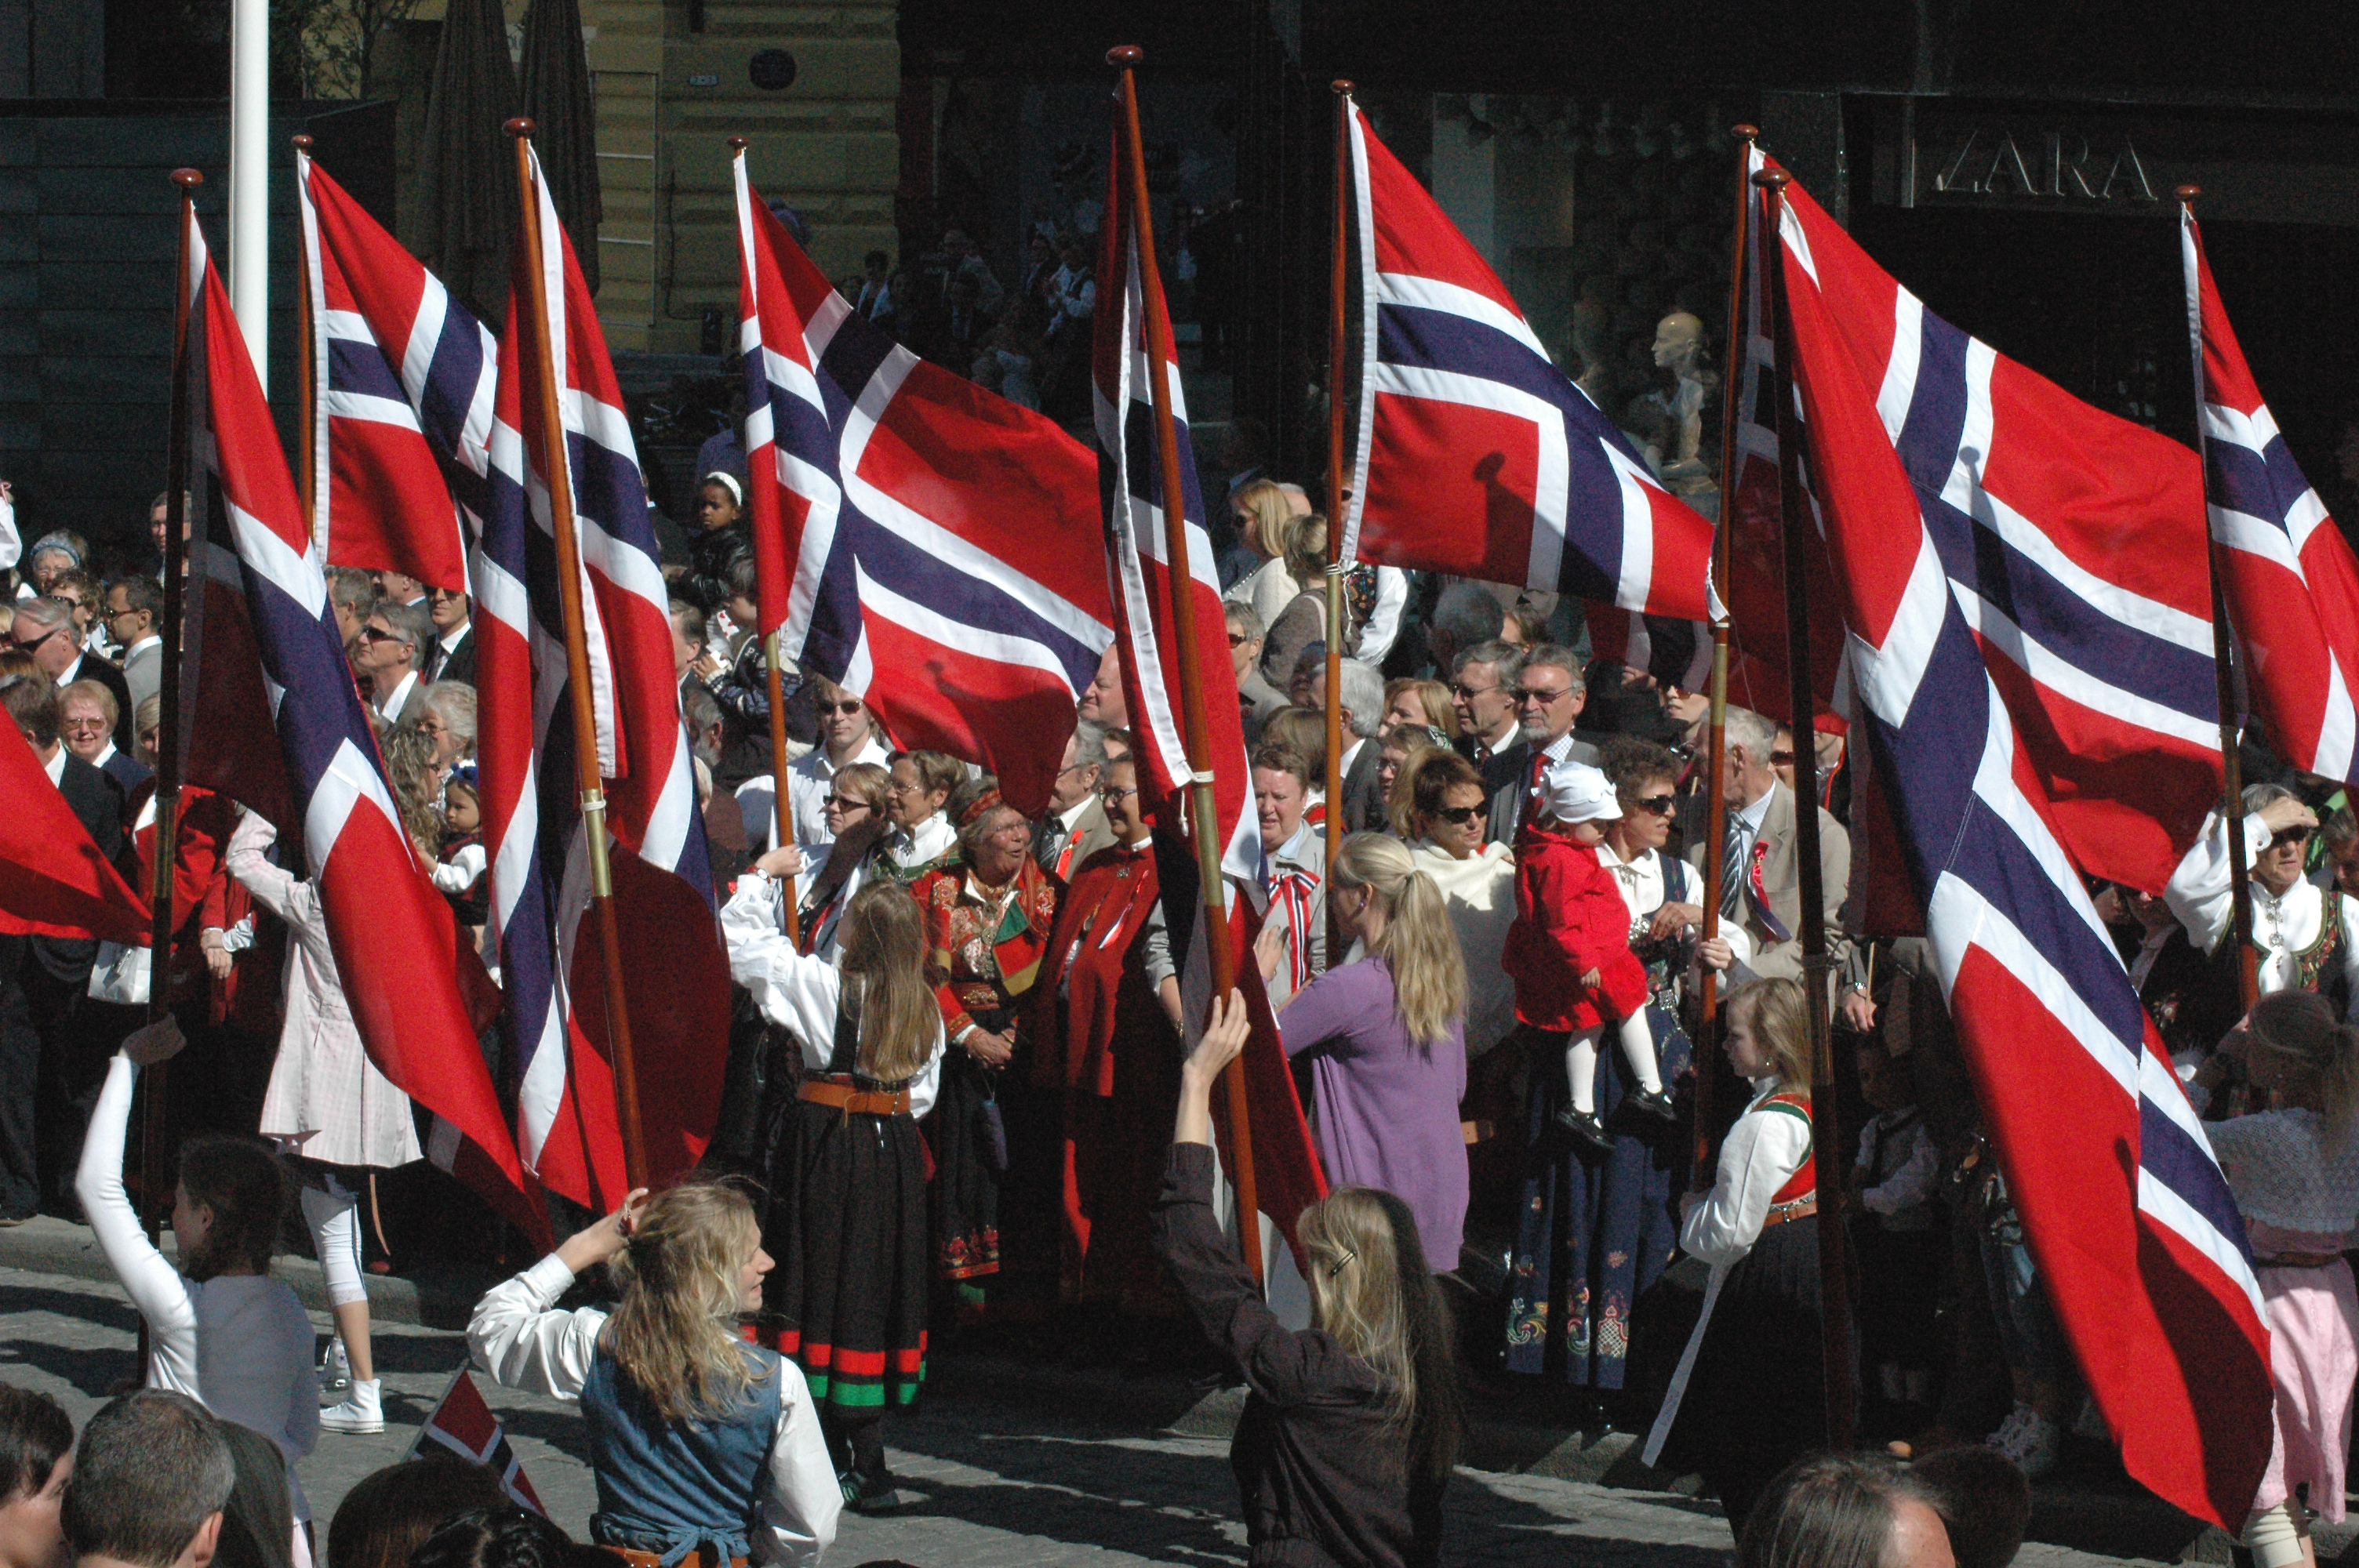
(2223, 643)
(1203, 811)
(1336, 565)
(577, 668)
(1826, 1133)
(169, 740)
(1740, 337)
(782, 809)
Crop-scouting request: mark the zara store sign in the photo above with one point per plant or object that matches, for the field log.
(1996, 160)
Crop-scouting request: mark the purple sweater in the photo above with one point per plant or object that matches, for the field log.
(1386, 1108)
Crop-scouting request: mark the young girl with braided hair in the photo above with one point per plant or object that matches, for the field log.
(2295, 1171)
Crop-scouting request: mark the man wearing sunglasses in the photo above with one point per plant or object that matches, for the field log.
(45, 629)
(1548, 694)
(392, 645)
(847, 734)
(2303, 933)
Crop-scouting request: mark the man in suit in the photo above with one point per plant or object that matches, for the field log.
(1761, 870)
(1362, 699)
(1483, 682)
(51, 1063)
(392, 645)
(1255, 696)
(45, 629)
(135, 610)
(1547, 694)
(1075, 827)
(86, 721)
(452, 654)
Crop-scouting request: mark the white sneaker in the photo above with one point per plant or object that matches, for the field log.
(362, 1410)
(336, 1371)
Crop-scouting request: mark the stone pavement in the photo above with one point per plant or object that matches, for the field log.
(996, 1482)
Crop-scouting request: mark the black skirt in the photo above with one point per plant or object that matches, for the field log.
(847, 1299)
(1756, 1399)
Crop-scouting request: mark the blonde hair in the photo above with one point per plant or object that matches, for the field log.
(1306, 552)
(1417, 943)
(1401, 806)
(1273, 517)
(1372, 1292)
(1431, 695)
(674, 1333)
(2300, 1026)
(883, 937)
(1778, 1014)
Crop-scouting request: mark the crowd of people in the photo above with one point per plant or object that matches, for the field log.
(962, 1085)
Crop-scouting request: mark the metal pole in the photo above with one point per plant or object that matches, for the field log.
(249, 177)
(1826, 1132)
(1203, 811)
(1740, 338)
(306, 394)
(2231, 767)
(577, 664)
(1335, 562)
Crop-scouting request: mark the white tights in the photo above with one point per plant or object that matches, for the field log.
(335, 1216)
(2275, 1539)
(1580, 1060)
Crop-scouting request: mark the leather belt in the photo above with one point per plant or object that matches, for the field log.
(854, 1101)
(1796, 1208)
(2298, 1260)
(696, 1559)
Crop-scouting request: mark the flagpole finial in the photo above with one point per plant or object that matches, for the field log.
(1344, 87)
(1773, 180)
(2188, 193)
(302, 142)
(1745, 132)
(188, 179)
(519, 126)
(1126, 57)
(738, 144)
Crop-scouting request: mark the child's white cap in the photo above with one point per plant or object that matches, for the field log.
(1575, 792)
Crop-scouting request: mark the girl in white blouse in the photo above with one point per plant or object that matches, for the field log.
(224, 1332)
(1752, 1371)
(705, 1449)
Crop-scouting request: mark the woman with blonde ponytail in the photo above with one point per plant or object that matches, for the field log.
(706, 1449)
(1387, 1040)
(2295, 1171)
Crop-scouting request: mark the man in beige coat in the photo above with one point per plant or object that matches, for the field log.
(1762, 883)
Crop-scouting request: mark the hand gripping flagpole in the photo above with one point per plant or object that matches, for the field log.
(1826, 1133)
(557, 455)
(1716, 873)
(1203, 812)
(1336, 564)
(169, 739)
(782, 809)
(2231, 806)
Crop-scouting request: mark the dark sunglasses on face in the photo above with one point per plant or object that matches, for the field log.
(1661, 805)
(1238, 639)
(1534, 694)
(1471, 692)
(847, 707)
(379, 634)
(28, 647)
(845, 804)
(2291, 836)
(1458, 815)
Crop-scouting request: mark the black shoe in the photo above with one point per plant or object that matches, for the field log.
(1655, 1103)
(870, 1495)
(1585, 1127)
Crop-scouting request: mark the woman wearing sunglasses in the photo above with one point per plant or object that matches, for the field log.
(1445, 818)
(853, 815)
(2304, 936)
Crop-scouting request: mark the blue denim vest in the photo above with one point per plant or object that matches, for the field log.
(671, 1486)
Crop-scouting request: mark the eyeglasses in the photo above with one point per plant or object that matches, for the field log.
(1457, 816)
(2291, 836)
(1238, 639)
(1659, 805)
(1781, 758)
(1113, 794)
(847, 803)
(28, 647)
(1534, 694)
(380, 634)
(1471, 692)
(89, 724)
(847, 707)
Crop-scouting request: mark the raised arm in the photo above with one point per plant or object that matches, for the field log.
(154, 1286)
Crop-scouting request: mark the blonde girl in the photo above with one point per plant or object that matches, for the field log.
(705, 1449)
(1351, 1427)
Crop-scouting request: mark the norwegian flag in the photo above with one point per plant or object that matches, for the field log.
(274, 723)
(53, 881)
(910, 525)
(1286, 1173)
(401, 388)
(1927, 452)
(1478, 456)
(677, 990)
(464, 1425)
(2290, 580)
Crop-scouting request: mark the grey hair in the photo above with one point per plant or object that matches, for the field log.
(2257, 796)
(453, 702)
(1756, 734)
(410, 622)
(62, 543)
(50, 610)
(352, 587)
(1557, 657)
(1089, 744)
(1245, 619)
(1505, 658)
(1361, 689)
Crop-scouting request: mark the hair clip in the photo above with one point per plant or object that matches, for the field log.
(1340, 1263)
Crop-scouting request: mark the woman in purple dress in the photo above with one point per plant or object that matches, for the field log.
(1385, 1036)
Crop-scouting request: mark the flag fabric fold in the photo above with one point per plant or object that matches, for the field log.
(1477, 456)
(1145, 586)
(2287, 572)
(2015, 570)
(274, 722)
(53, 881)
(924, 543)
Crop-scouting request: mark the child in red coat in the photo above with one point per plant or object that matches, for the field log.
(1569, 949)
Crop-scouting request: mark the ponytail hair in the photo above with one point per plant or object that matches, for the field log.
(2301, 1027)
(1419, 944)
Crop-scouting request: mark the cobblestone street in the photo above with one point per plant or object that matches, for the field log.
(988, 1488)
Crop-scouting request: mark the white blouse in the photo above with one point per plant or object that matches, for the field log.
(2283, 926)
(1760, 1154)
(521, 1344)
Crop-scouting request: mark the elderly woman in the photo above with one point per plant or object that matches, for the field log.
(988, 917)
(446, 717)
(922, 838)
(1294, 866)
